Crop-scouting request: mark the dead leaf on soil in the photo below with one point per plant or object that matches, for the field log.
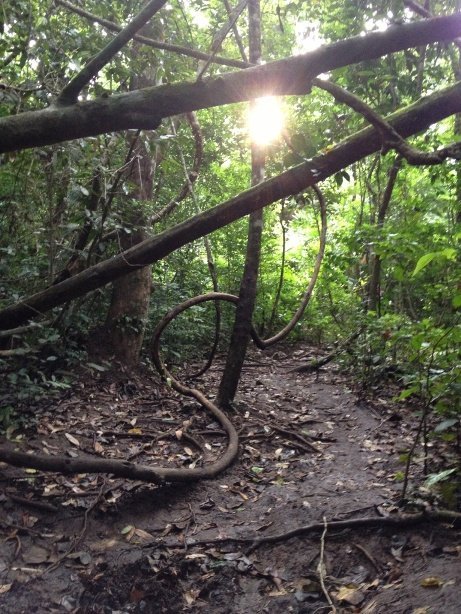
(432, 582)
(4, 588)
(73, 440)
(103, 544)
(98, 447)
(452, 549)
(350, 594)
(277, 593)
(143, 535)
(82, 556)
(37, 554)
(191, 596)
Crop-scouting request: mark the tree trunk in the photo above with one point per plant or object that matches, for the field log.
(375, 277)
(125, 322)
(248, 287)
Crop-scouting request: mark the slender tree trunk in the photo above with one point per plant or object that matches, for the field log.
(375, 277)
(248, 287)
(457, 74)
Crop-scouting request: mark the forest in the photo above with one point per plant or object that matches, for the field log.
(230, 294)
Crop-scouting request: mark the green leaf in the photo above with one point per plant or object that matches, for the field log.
(407, 392)
(399, 273)
(423, 262)
(456, 302)
(449, 253)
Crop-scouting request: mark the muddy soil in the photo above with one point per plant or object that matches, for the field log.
(310, 453)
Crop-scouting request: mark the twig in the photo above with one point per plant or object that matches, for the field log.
(39, 505)
(368, 556)
(321, 567)
(193, 53)
(21, 528)
(290, 434)
(76, 541)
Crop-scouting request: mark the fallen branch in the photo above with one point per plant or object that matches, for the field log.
(321, 362)
(145, 108)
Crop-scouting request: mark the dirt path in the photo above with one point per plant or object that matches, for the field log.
(108, 546)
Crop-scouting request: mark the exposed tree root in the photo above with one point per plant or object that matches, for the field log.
(400, 521)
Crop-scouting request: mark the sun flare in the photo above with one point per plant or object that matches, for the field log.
(265, 120)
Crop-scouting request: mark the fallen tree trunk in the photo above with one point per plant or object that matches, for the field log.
(145, 108)
(407, 122)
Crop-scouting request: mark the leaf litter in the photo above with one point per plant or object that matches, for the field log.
(310, 450)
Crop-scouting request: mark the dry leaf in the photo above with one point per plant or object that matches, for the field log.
(135, 431)
(98, 447)
(188, 451)
(144, 535)
(432, 582)
(4, 588)
(191, 596)
(36, 555)
(350, 595)
(73, 440)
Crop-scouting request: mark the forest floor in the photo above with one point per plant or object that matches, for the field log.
(310, 452)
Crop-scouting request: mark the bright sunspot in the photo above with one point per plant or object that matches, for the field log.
(265, 120)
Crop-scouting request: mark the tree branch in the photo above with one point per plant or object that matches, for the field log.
(423, 12)
(147, 107)
(150, 42)
(69, 94)
(222, 33)
(390, 136)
